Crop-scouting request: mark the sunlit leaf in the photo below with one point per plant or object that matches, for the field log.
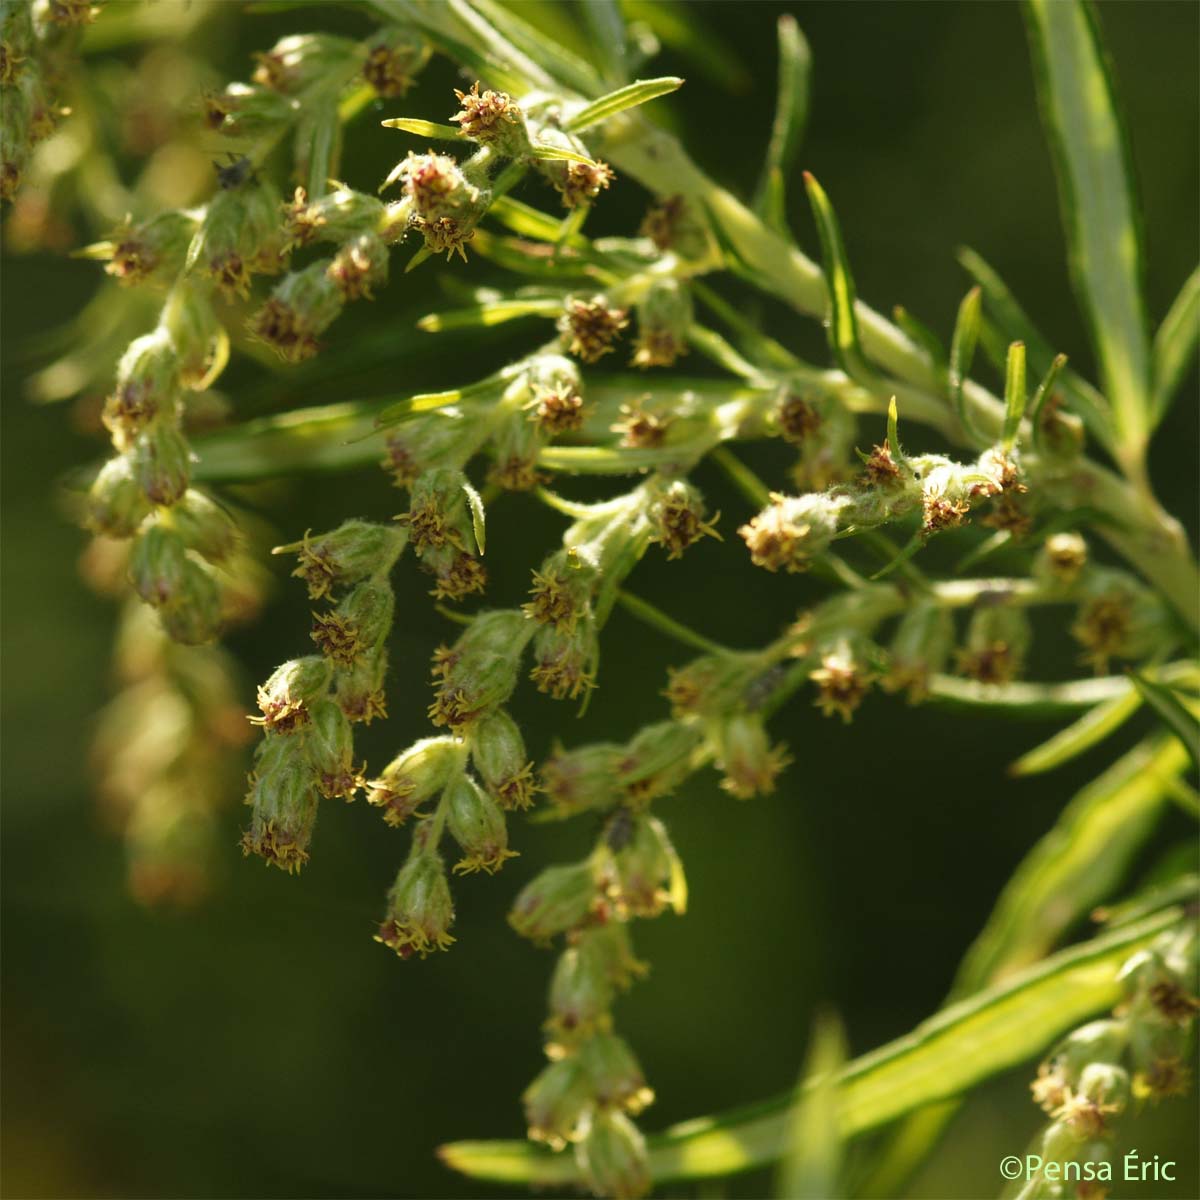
(1175, 344)
(629, 96)
(791, 116)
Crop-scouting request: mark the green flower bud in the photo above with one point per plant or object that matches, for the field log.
(286, 699)
(920, 649)
(330, 746)
(358, 625)
(745, 754)
(1061, 433)
(156, 564)
(420, 908)
(566, 661)
(646, 875)
(476, 823)
(246, 110)
(664, 322)
(842, 679)
(300, 308)
(337, 216)
(576, 780)
(792, 531)
(153, 249)
(284, 804)
(394, 60)
(414, 777)
(359, 688)
(147, 387)
(590, 327)
(998, 638)
(581, 991)
(359, 266)
(677, 516)
(1061, 560)
(204, 526)
(301, 60)
(1120, 619)
(559, 899)
(162, 463)
(241, 234)
(657, 760)
(348, 554)
(116, 503)
(444, 438)
(557, 1102)
(498, 752)
(193, 616)
(616, 1078)
(480, 672)
(440, 512)
(561, 592)
(492, 119)
(199, 339)
(610, 945)
(612, 1156)
(516, 445)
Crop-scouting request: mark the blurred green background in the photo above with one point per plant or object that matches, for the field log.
(261, 1044)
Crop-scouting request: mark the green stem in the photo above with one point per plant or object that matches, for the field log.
(655, 617)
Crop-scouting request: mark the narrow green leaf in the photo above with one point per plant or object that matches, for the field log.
(1013, 325)
(495, 312)
(629, 96)
(410, 407)
(942, 1057)
(913, 545)
(1096, 191)
(962, 354)
(686, 31)
(560, 154)
(1025, 699)
(530, 222)
(1092, 728)
(1176, 715)
(1044, 391)
(606, 27)
(1015, 395)
(478, 516)
(425, 129)
(893, 430)
(839, 284)
(812, 1154)
(791, 112)
(1175, 345)
(536, 49)
(920, 333)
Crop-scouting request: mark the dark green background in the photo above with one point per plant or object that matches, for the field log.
(263, 1045)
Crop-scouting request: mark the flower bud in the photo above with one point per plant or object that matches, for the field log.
(612, 1156)
(672, 223)
(199, 339)
(456, 573)
(338, 216)
(162, 463)
(476, 823)
(359, 265)
(998, 638)
(438, 189)
(479, 673)
(156, 564)
(348, 554)
(420, 908)
(440, 513)
(920, 649)
(580, 183)
(557, 1101)
(559, 899)
(204, 526)
(1061, 433)
(241, 235)
(147, 386)
(581, 991)
(394, 60)
(647, 875)
(1119, 619)
(566, 662)
(945, 493)
(116, 504)
(358, 688)
(616, 1077)
(792, 530)
(591, 327)
(492, 119)
(657, 760)
(443, 438)
(745, 754)
(414, 777)
(246, 110)
(664, 321)
(677, 517)
(516, 444)
(153, 249)
(302, 306)
(284, 804)
(300, 60)
(498, 752)
(1061, 560)
(330, 745)
(576, 780)
(287, 698)
(358, 625)
(561, 592)
(842, 681)
(193, 616)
